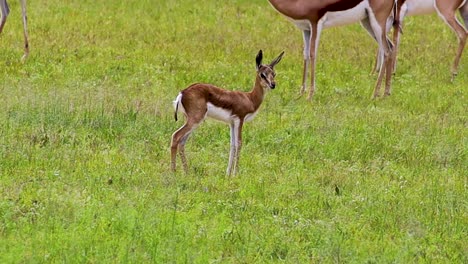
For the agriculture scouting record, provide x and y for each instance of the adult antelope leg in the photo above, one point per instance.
(25, 29)
(464, 14)
(378, 62)
(314, 42)
(396, 41)
(399, 14)
(448, 15)
(365, 23)
(306, 52)
(5, 10)
(379, 58)
(389, 71)
(378, 23)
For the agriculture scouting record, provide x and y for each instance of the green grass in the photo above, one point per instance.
(86, 124)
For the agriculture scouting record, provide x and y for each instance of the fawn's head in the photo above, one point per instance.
(266, 73)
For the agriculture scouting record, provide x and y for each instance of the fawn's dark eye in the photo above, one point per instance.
(263, 75)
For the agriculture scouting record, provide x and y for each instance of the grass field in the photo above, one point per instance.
(86, 125)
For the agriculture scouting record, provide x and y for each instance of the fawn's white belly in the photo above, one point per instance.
(219, 113)
(224, 115)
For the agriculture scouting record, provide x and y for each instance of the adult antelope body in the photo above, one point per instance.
(5, 10)
(446, 9)
(311, 16)
(199, 101)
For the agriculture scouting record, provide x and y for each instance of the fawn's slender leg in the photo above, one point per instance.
(182, 151)
(179, 139)
(232, 149)
(195, 114)
(236, 137)
(176, 139)
(238, 146)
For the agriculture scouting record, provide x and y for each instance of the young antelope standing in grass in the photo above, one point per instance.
(199, 101)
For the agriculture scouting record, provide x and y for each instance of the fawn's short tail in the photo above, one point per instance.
(177, 101)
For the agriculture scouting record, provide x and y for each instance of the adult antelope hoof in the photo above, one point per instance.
(302, 91)
(23, 59)
(454, 75)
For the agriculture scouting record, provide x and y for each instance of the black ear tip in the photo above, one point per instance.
(259, 59)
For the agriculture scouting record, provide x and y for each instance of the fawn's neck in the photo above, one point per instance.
(258, 93)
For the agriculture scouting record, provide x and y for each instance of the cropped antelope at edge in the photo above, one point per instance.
(199, 101)
(311, 16)
(446, 9)
(5, 10)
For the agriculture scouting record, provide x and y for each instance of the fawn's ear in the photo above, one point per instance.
(259, 58)
(277, 60)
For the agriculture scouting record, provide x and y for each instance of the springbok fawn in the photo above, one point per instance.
(199, 101)
(312, 15)
(5, 10)
(446, 9)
